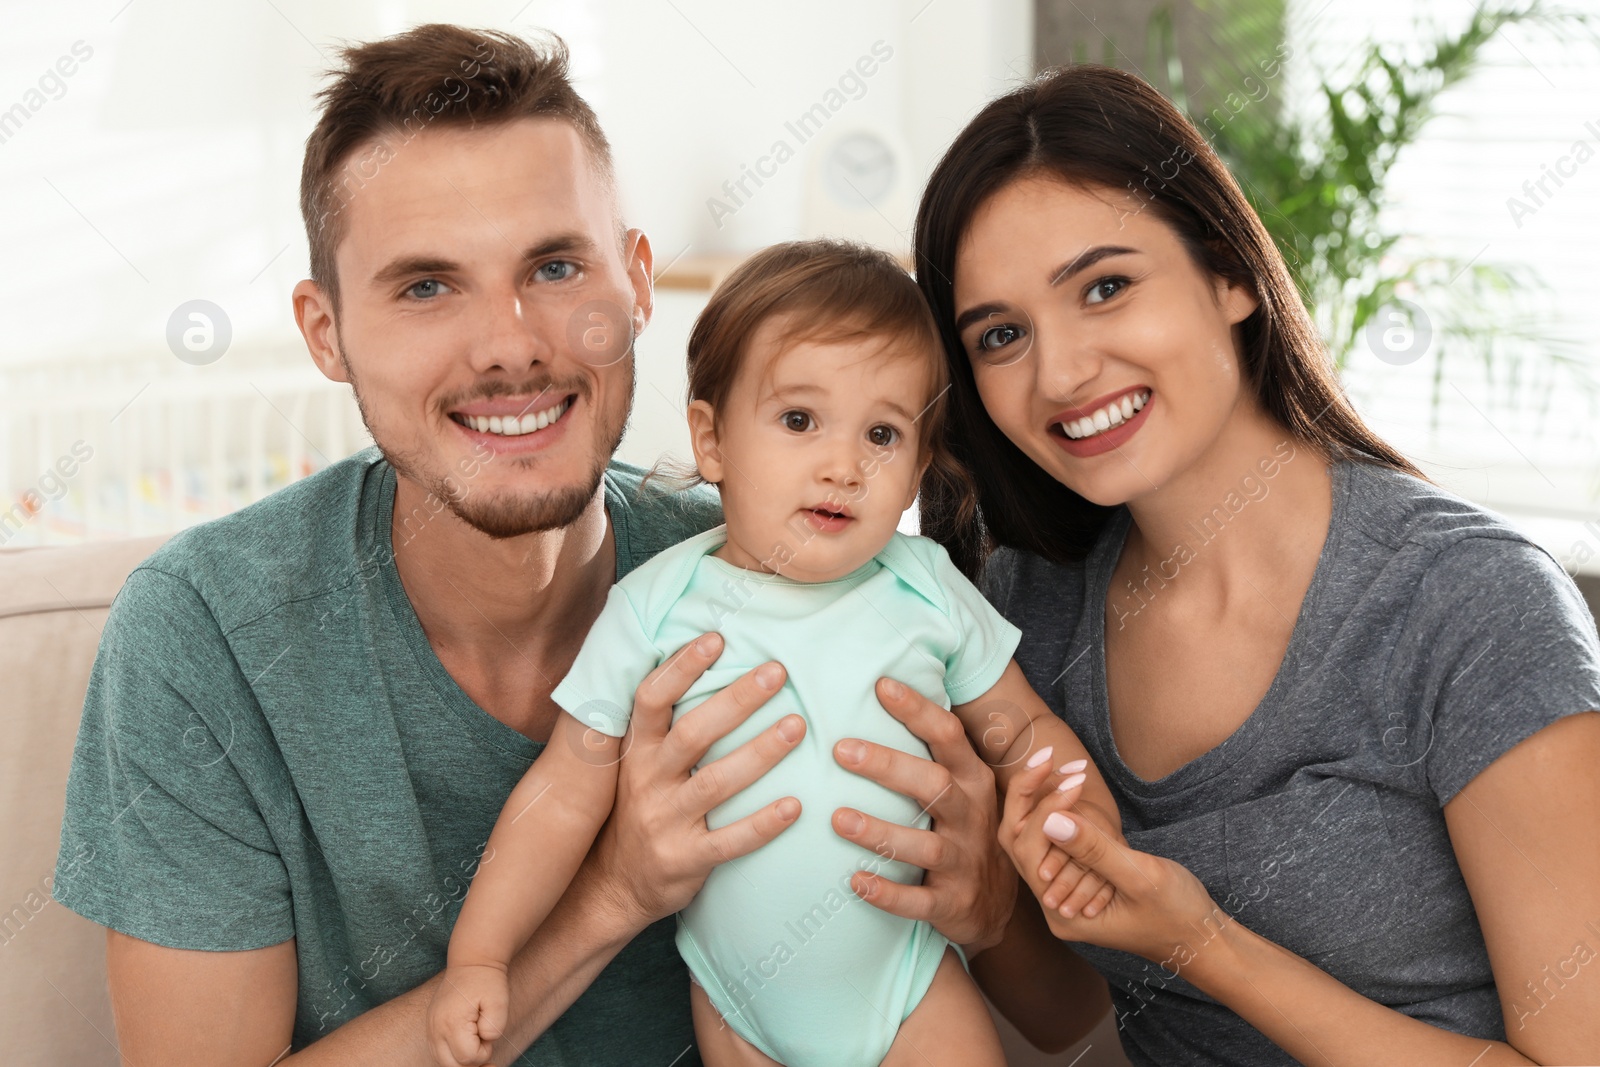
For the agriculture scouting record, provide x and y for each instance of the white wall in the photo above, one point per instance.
(165, 166)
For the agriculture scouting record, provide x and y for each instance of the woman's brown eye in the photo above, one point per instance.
(1105, 289)
(996, 336)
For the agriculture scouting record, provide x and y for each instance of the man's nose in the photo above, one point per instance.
(512, 338)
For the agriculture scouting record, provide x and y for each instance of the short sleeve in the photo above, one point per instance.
(162, 839)
(1499, 645)
(615, 657)
(985, 640)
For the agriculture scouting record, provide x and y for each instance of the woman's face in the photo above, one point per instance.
(1099, 347)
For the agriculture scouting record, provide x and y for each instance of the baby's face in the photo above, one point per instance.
(818, 457)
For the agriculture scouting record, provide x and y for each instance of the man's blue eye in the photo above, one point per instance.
(557, 270)
(425, 289)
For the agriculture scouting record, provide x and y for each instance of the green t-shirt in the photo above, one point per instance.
(270, 749)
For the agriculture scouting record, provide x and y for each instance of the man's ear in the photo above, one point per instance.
(703, 439)
(640, 261)
(313, 313)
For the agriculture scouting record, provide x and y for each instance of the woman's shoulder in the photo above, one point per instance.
(1021, 583)
(1399, 512)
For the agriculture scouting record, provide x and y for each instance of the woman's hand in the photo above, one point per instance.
(969, 887)
(1160, 909)
(654, 852)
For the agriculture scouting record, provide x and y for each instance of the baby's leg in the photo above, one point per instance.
(951, 1024)
(719, 1045)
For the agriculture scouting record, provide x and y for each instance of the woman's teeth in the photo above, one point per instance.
(511, 425)
(1113, 414)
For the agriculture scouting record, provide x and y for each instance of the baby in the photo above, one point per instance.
(817, 393)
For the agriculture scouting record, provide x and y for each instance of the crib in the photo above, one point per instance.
(94, 448)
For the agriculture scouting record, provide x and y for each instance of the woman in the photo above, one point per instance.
(1343, 711)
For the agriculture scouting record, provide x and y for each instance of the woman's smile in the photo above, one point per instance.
(1103, 425)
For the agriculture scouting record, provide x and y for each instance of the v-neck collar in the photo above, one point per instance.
(1098, 570)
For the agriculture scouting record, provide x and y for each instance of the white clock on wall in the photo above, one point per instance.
(858, 186)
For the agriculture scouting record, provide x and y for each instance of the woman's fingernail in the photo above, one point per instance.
(791, 728)
(1058, 827)
(1075, 765)
(1039, 757)
(708, 644)
(769, 676)
(851, 822)
(893, 689)
(852, 751)
(1068, 783)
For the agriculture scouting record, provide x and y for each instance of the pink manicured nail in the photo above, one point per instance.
(1068, 783)
(1058, 827)
(1039, 757)
(1075, 765)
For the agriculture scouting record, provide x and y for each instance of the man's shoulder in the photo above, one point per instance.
(292, 544)
(649, 517)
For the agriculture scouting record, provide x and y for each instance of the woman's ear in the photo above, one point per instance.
(703, 439)
(1237, 299)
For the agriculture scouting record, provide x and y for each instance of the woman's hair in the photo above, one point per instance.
(828, 291)
(1099, 126)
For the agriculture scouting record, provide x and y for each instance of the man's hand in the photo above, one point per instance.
(655, 850)
(970, 887)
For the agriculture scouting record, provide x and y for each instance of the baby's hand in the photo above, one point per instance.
(1066, 881)
(468, 1014)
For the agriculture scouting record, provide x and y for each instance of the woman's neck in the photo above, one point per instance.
(1257, 499)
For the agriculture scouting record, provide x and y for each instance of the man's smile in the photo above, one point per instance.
(511, 417)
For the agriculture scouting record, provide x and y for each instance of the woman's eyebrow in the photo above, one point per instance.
(1086, 259)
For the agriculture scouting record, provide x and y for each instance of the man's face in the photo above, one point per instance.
(486, 319)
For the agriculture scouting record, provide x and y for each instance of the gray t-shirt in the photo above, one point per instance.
(1432, 639)
(271, 749)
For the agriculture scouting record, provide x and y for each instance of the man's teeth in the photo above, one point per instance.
(511, 425)
(1113, 414)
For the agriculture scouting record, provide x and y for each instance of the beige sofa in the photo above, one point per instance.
(53, 1005)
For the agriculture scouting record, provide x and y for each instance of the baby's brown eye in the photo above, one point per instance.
(796, 420)
(882, 436)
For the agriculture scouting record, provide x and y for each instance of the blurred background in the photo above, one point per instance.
(1429, 169)
(1427, 166)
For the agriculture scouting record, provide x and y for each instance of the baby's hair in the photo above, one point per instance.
(830, 291)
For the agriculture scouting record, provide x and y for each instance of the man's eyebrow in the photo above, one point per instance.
(409, 266)
(1088, 258)
(807, 389)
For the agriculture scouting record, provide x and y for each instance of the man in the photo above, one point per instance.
(305, 717)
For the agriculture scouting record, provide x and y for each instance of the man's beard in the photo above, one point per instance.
(513, 515)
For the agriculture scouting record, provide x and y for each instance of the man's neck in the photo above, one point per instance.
(505, 616)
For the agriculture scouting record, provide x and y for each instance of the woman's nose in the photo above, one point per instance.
(1063, 363)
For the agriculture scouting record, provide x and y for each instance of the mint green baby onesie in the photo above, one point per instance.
(796, 963)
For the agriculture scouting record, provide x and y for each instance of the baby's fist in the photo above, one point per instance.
(468, 1015)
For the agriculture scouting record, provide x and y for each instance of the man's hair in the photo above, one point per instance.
(438, 75)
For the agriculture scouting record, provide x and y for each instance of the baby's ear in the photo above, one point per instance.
(916, 482)
(703, 439)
